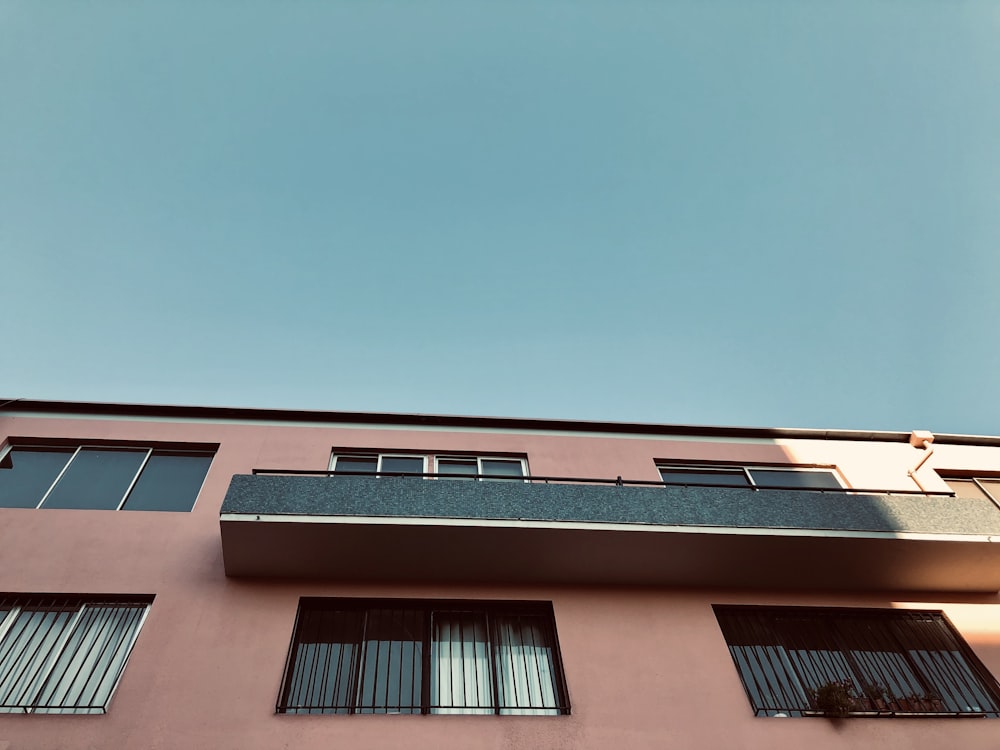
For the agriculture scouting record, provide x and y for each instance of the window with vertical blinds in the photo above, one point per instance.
(363, 656)
(799, 661)
(64, 654)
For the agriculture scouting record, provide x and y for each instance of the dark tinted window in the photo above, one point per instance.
(321, 662)
(96, 479)
(32, 471)
(356, 463)
(169, 481)
(797, 660)
(392, 661)
(497, 466)
(413, 464)
(801, 478)
(458, 466)
(719, 478)
(734, 476)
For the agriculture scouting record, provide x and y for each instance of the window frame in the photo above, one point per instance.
(150, 448)
(479, 459)
(427, 610)
(977, 478)
(431, 462)
(42, 675)
(747, 469)
(781, 653)
(379, 457)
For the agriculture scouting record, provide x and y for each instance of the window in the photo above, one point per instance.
(379, 463)
(983, 486)
(63, 655)
(454, 466)
(495, 468)
(371, 656)
(763, 477)
(810, 660)
(102, 477)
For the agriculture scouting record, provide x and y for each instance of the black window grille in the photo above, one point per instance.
(64, 655)
(365, 656)
(801, 661)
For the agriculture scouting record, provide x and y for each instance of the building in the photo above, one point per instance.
(288, 579)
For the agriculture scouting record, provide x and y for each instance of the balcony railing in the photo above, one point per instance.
(617, 481)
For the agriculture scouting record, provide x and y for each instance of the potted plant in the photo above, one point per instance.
(836, 698)
(926, 703)
(875, 695)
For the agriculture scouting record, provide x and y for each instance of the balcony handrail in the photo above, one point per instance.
(618, 481)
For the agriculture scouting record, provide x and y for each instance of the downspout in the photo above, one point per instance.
(920, 439)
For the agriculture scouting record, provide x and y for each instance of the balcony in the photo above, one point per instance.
(416, 527)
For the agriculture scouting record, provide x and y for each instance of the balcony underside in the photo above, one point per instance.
(396, 529)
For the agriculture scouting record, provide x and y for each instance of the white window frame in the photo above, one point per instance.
(479, 464)
(379, 456)
(431, 460)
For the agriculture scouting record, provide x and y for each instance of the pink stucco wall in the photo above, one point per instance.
(645, 667)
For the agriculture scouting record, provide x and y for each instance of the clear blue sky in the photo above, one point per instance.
(736, 212)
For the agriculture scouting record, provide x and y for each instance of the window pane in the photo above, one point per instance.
(96, 479)
(458, 466)
(524, 664)
(877, 660)
(62, 656)
(992, 486)
(503, 467)
(391, 658)
(366, 464)
(169, 481)
(320, 677)
(968, 488)
(414, 464)
(461, 676)
(719, 478)
(27, 652)
(764, 663)
(32, 472)
(371, 657)
(88, 668)
(792, 478)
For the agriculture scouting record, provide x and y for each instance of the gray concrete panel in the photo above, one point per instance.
(394, 497)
